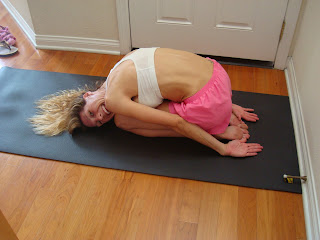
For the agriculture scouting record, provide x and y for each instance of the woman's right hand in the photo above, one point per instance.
(238, 148)
(244, 113)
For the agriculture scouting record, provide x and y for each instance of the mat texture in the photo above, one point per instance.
(110, 147)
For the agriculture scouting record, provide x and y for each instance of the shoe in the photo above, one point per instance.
(6, 49)
(5, 35)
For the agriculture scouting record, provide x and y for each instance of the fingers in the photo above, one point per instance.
(252, 117)
(246, 113)
(251, 154)
(254, 147)
(238, 148)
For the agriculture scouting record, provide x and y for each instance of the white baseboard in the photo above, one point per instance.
(309, 194)
(92, 45)
(66, 43)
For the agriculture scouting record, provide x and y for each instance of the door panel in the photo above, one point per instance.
(239, 15)
(231, 28)
(175, 11)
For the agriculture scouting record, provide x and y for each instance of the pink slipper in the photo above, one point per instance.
(5, 35)
(4, 29)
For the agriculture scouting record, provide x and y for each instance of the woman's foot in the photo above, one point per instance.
(234, 121)
(234, 133)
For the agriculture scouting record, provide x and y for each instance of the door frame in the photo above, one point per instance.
(290, 19)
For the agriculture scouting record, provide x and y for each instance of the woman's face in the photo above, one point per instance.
(94, 112)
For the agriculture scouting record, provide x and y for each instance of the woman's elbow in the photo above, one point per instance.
(179, 125)
(121, 122)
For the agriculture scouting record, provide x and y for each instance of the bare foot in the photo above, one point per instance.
(233, 133)
(234, 121)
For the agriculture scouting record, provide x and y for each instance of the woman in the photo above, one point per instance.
(166, 92)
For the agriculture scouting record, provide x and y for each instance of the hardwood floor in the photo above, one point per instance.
(43, 199)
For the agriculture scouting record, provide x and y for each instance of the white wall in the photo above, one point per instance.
(75, 18)
(306, 63)
(23, 8)
(76, 25)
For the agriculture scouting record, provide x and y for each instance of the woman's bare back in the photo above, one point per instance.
(183, 72)
(179, 74)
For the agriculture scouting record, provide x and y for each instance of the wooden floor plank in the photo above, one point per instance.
(300, 227)
(228, 213)
(63, 193)
(186, 231)
(191, 201)
(6, 231)
(163, 212)
(23, 189)
(36, 215)
(70, 221)
(275, 215)
(209, 212)
(247, 214)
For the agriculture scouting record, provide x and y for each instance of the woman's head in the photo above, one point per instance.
(61, 111)
(94, 112)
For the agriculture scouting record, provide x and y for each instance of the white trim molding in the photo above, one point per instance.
(124, 26)
(21, 22)
(309, 195)
(78, 44)
(290, 19)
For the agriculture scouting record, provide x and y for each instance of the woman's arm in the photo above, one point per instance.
(125, 106)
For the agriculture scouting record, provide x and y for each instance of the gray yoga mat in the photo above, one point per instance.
(111, 147)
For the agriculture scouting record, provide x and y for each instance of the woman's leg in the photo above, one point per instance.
(146, 129)
(154, 130)
(234, 121)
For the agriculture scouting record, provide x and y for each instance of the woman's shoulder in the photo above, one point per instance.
(123, 79)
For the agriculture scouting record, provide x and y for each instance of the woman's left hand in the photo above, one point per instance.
(244, 113)
(237, 148)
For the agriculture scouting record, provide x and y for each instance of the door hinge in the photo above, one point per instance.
(282, 30)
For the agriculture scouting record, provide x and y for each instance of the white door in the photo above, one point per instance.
(247, 29)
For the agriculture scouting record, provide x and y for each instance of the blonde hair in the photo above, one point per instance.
(59, 112)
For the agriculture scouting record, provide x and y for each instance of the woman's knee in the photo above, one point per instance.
(121, 122)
